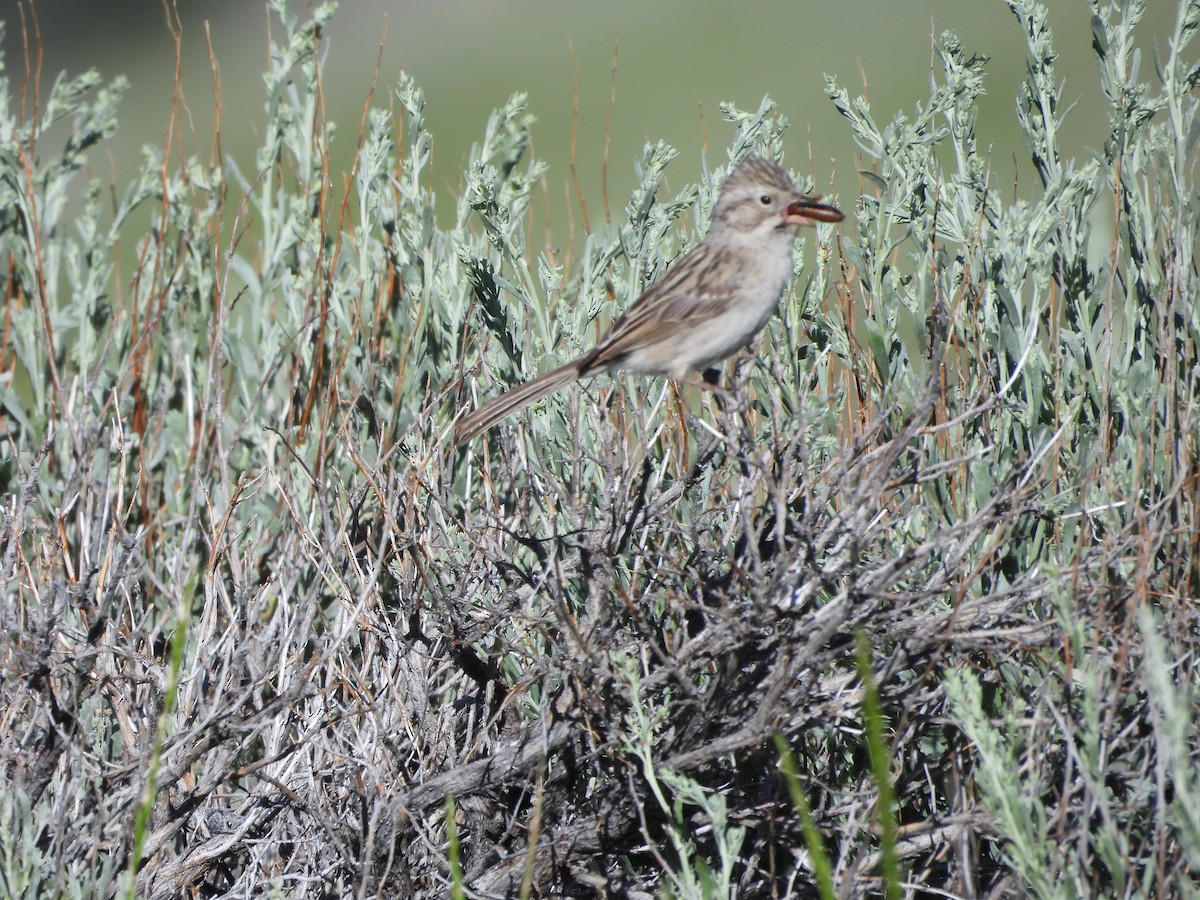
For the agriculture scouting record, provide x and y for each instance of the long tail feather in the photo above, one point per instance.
(514, 400)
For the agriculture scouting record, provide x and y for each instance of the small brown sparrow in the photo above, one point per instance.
(708, 306)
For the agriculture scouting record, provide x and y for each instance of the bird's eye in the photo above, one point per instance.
(765, 200)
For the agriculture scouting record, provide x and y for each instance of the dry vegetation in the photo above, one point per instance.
(266, 634)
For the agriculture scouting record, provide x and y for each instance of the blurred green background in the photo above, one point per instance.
(675, 62)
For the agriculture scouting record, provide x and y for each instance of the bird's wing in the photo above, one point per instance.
(701, 286)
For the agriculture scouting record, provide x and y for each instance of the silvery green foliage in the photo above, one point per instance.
(971, 433)
(1081, 340)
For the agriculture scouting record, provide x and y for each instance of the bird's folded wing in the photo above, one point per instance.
(696, 290)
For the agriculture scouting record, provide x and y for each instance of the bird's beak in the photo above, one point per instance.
(809, 211)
